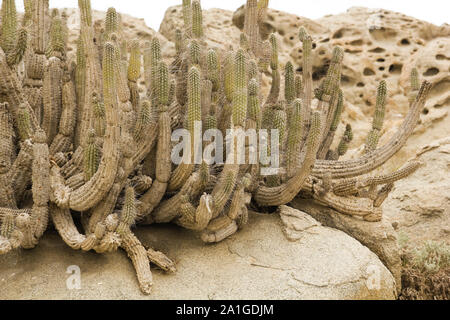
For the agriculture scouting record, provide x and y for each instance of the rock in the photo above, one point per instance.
(257, 263)
(420, 204)
(380, 237)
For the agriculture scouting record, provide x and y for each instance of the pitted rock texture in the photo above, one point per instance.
(258, 263)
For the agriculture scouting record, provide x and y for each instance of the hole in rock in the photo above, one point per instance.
(396, 68)
(368, 72)
(431, 72)
(377, 50)
(405, 42)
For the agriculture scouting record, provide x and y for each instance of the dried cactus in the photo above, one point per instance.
(83, 126)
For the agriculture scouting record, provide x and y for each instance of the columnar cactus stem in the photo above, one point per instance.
(378, 118)
(289, 84)
(8, 36)
(274, 196)
(187, 17)
(91, 157)
(275, 88)
(240, 92)
(295, 135)
(197, 19)
(372, 160)
(251, 26)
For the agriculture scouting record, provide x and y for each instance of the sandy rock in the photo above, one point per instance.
(420, 204)
(380, 237)
(257, 263)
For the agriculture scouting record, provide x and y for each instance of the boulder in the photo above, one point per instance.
(259, 263)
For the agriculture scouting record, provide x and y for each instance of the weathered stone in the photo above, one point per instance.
(257, 263)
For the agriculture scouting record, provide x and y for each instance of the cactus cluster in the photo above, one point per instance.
(78, 136)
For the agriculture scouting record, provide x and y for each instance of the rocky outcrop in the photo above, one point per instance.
(258, 263)
(380, 237)
(419, 207)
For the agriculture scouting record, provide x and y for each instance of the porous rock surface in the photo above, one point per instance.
(257, 263)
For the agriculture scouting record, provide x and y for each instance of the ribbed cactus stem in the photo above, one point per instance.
(338, 112)
(23, 123)
(274, 58)
(19, 52)
(240, 93)
(194, 99)
(415, 85)
(197, 19)
(229, 77)
(163, 85)
(134, 66)
(295, 135)
(253, 72)
(345, 141)
(243, 42)
(109, 76)
(111, 22)
(213, 69)
(415, 82)
(298, 86)
(155, 51)
(194, 52)
(380, 108)
(91, 156)
(254, 108)
(99, 116)
(289, 86)
(280, 122)
(331, 83)
(28, 14)
(129, 213)
(57, 45)
(211, 122)
(85, 12)
(187, 16)
(8, 225)
(8, 26)
(179, 42)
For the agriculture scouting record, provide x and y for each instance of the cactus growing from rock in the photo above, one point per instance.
(78, 136)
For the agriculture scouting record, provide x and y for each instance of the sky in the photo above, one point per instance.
(434, 11)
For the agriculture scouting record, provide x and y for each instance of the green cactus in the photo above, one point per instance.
(85, 12)
(197, 19)
(345, 141)
(213, 69)
(8, 36)
(128, 214)
(240, 93)
(91, 157)
(134, 66)
(289, 86)
(111, 23)
(194, 99)
(254, 108)
(378, 119)
(163, 85)
(298, 87)
(24, 124)
(187, 16)
(179, 42)
(8, 225)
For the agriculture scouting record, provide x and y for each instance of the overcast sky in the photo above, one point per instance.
(435, 11)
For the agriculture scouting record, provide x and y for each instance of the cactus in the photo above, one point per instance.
(77, 136)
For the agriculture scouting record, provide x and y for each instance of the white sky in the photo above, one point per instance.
(435, 11)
